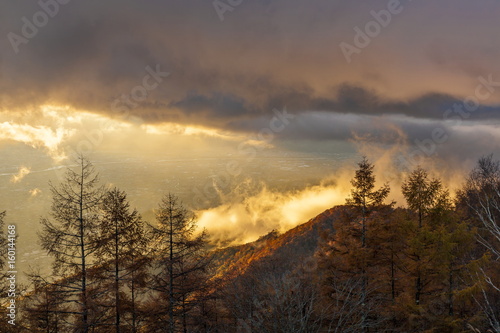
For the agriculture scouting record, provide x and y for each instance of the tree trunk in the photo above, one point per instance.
(418, 286)
(450, 292)
(184, 322)
(171, 273)
(83, 254)
(117, 285)
(132, 295)
(393, 279)
(364, 281)
(418, 290)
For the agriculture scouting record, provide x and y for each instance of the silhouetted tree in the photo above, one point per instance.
(181, 264)
(122, 249)
(365, 197)
(363, 194)
(69, 236)
(422, 194)
(44, 310)
(345, 268)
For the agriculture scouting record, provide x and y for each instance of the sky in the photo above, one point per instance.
(403, 82)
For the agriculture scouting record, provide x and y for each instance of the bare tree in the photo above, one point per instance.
(122, 249)
(69, 236)
(268, 299)
(481, 193)
(181, 264)
(348, 311)
(287, 304)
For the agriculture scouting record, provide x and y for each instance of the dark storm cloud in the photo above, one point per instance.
(429, 138)
(346, 99)
(264, 55)
(217, 105)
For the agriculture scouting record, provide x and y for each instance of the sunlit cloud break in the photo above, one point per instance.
(44, 130)
(60, 131)
(178, 129)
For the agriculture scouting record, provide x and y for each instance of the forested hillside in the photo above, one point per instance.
(297, 244)
(430, 265)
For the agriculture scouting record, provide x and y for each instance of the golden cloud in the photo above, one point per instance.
(254, 215)
(23, 172)
(34, 192)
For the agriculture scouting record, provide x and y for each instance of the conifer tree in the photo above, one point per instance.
(43, 309)
(421, 194)
(366, 198)
(386, 263)
(69, 237)
(181, 264)
(123, 246)
(363, 194)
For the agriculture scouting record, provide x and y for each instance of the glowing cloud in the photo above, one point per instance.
(44, 129)
(23, 172)
(252, 216)
(34, 192)
(172, 128)
(60, 131)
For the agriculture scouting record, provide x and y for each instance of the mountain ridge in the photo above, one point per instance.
(300, 242)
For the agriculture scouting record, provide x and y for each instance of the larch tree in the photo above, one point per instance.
(365, 197)
(447, 242)
(181, 264)
(43, 309)
(122, 250)
(69, 236)
(421, 194)
(454, 262)
(386, 262)
(344, 268)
